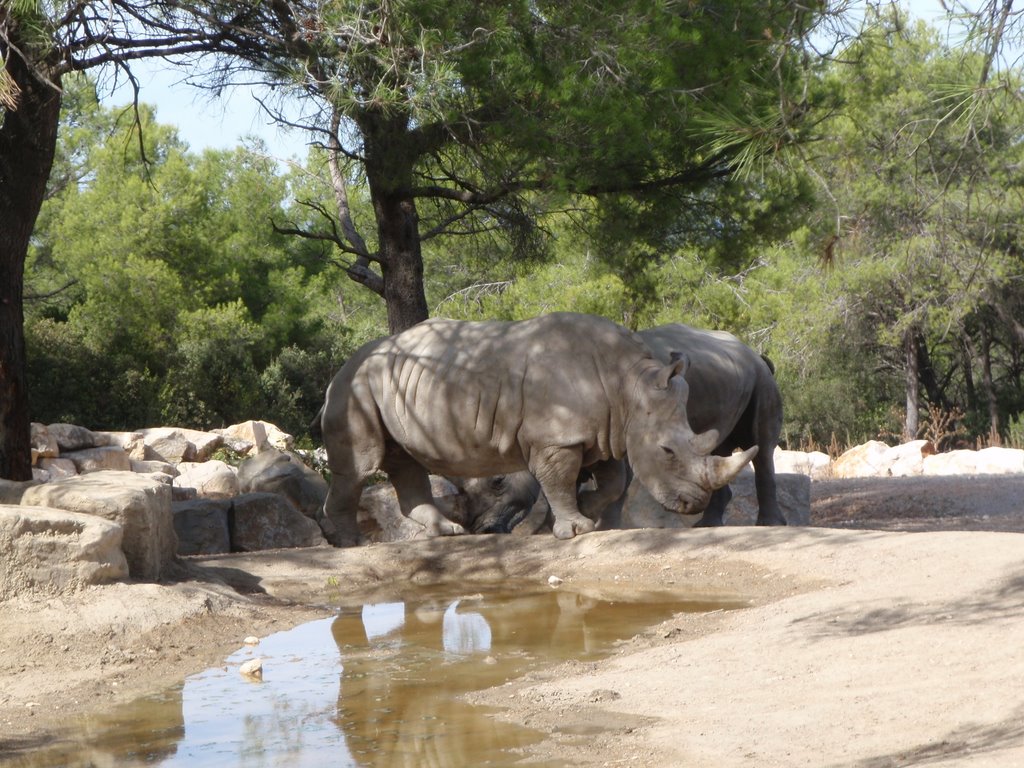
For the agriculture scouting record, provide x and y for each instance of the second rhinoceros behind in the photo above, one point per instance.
(552, 395)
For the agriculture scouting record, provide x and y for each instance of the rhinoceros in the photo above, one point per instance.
(550, 395)
(733, 393)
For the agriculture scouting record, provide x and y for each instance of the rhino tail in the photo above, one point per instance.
(316, 430)
(769, 363)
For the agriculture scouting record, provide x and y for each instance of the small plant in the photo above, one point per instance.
(1015, 432)
(943, 428)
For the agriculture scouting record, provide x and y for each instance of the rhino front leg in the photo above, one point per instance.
(714, 514)
(768, 510)
(557, 469)
(412, 484)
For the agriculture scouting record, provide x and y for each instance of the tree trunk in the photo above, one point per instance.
(913, 418)
(401, 261)
(28, 140)
(988, 386)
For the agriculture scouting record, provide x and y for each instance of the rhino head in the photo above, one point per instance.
(673, 463)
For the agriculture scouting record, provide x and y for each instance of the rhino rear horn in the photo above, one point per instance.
(678, 363)
(722, 469)
(704, 443)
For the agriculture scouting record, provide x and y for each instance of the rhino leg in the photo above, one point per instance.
(768, 511)
(557, 469)
(412, 485)
(714, 513)
(610, 481)
(338, 520)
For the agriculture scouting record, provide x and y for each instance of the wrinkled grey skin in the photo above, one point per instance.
(732, 391)
(550, 395)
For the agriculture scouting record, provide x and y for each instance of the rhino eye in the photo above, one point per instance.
(668, 451)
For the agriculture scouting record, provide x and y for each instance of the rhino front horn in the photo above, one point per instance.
(722, 469)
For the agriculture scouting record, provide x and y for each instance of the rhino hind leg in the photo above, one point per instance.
(338, 519)
(412, 485)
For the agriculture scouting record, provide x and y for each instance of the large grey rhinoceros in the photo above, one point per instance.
(733, 393)
(552, 395)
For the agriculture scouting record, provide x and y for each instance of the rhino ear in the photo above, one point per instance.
(677, 366)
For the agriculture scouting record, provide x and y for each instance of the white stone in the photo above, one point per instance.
(253, 668)
(212, 479)
(867, 460)
(815, 464)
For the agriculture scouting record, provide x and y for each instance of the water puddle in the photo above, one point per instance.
(376, 685)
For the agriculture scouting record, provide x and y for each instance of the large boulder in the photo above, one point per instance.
(139, 504)
(640, 510)
(259, 436)
(868, 460)
(989, 461)
(99, 459)
(274, 471)
(44, 444)
(71, 437)
(53, 552)
(202, 526)
(211, 479)
(11, 491)
(268, 521)
(815, 464)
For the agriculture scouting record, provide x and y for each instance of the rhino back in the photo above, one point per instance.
(723, 375)
(476, 398)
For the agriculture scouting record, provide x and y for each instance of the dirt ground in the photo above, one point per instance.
(887, 634)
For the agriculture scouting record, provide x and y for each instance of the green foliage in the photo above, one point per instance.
(164, 293)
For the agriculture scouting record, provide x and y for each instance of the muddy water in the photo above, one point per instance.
(376, 685)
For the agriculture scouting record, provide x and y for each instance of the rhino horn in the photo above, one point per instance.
(722, 469)
(704, 443)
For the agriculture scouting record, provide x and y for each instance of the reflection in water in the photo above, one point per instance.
(377, 685)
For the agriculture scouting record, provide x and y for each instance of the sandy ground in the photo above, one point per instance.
(892, 638)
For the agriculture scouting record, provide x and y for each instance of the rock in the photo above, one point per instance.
(907, 460)
(44, 444)
(988, 461)
(251, 640)
(132, 443)
(867, 460)
(202, 527)
(70, 437)
(53, 552)
(58, 469)
(144, 467)
(274, 471)
(815, 464)
(554, 581)
(12, 491)
(168, 444)
(109, 457)
(640, 510)
(268, 521)
(253, 668)
(262, 435)
(212, 479)
(139, 504)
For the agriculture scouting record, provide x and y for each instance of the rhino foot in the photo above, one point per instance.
(340, 536)
(434, 523)
(775, 519)
(567, 529)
